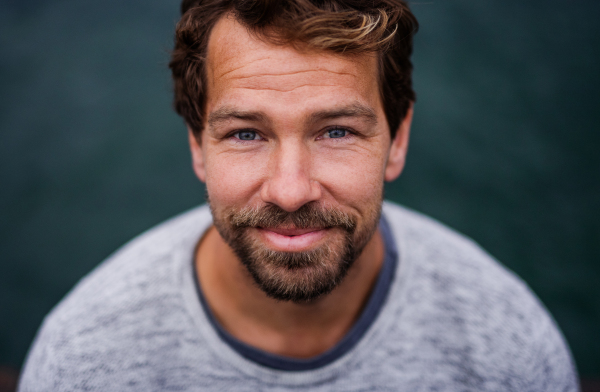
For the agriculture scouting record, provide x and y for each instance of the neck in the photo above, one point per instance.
(283, 328)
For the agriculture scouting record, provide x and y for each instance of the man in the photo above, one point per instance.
(297, 112)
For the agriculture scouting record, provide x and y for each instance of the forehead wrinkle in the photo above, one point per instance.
(309, 68)
(270, 81)
(287, 90)
(289, 73)
(241, 66)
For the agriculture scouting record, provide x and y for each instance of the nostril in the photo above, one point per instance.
(290, 194)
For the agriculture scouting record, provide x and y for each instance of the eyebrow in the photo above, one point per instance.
(228, 113)
(355, 109)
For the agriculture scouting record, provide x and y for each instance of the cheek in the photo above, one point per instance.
(233, 179)
(353, 178)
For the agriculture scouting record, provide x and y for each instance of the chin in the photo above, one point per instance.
(303, 275)
(297, 276)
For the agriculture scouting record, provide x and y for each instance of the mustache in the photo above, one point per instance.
(309, 215)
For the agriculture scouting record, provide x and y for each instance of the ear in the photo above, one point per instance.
(399, 147)
(197, 156)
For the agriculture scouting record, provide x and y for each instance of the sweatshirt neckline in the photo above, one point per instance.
(368, 315)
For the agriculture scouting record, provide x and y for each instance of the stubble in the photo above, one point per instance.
(296, 276)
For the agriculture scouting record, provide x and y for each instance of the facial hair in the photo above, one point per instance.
(304, 276)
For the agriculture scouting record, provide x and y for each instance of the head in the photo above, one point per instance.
(297, 111)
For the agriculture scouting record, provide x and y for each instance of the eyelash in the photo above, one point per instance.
(236, 135)
(238, 139)
(337, 128)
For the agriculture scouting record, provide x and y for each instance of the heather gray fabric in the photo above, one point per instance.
(454, 320)
(368, 315)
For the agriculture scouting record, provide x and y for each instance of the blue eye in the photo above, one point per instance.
(337, 133)
(247, 135)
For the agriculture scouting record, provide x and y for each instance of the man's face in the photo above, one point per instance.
(294, 154)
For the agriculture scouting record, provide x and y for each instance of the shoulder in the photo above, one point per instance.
(473, 309)
(136, 270)
(128, 301)
(447, 259)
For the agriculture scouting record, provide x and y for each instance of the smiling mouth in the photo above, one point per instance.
(292, 232)
(292, 239)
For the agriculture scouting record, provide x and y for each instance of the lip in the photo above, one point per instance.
(292, 240)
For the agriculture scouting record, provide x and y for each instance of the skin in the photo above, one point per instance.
(291, 98)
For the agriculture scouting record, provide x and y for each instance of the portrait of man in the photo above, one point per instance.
(297, 274)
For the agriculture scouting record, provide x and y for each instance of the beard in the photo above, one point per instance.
(302, 276)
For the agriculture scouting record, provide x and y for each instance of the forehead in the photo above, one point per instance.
(244, 69)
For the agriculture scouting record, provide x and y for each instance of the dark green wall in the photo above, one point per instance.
(504, 145)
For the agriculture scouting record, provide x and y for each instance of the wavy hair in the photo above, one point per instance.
(385, 27)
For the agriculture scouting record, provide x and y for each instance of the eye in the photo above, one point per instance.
(336, 133)
(247, 135)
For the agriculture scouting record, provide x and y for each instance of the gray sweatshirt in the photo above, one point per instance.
(444, 316)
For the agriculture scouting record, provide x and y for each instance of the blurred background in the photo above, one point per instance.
(504, 147)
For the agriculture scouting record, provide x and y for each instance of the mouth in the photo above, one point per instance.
(292, 239)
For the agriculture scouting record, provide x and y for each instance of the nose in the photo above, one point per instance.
(289, 184)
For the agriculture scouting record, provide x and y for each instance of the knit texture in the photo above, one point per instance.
(454, 320)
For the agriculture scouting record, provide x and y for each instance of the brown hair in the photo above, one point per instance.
(385, 27)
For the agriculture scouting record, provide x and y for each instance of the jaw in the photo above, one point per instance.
(296, 268)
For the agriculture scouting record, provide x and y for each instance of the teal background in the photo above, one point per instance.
(504, 145)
